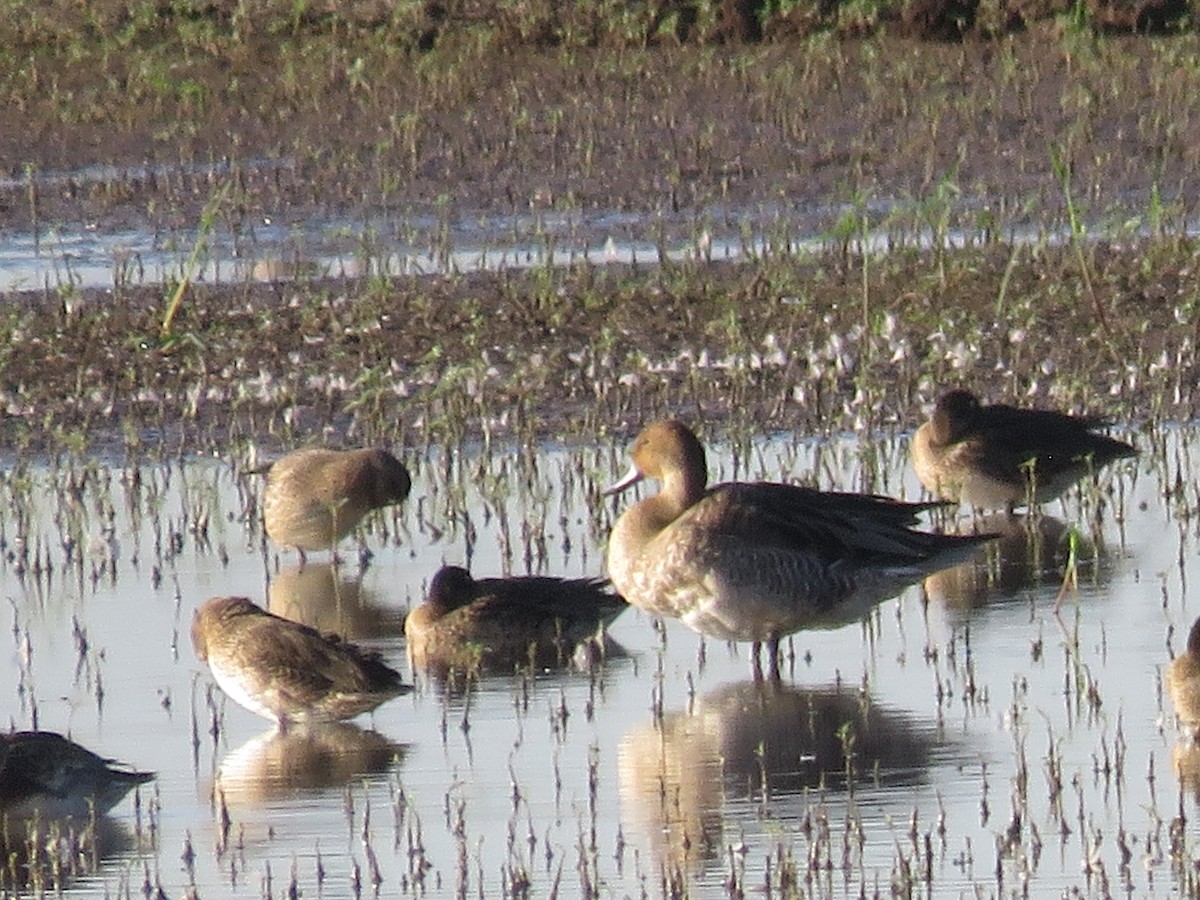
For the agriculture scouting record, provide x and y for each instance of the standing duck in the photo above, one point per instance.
(315, 497)
(758, 561)
(477, 624)
(997, 457)
(285, 671)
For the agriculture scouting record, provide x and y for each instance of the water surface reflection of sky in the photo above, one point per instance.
(965, 737)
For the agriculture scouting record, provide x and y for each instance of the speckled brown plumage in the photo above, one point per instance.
(1183, 683)
(285, 671)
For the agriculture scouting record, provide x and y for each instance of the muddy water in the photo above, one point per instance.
(966, 736)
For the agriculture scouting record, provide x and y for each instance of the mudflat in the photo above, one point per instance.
(1011, 214)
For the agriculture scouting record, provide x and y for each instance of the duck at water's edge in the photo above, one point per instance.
(470, 625)
(758, 561)
(45, 774)
(1183, 684)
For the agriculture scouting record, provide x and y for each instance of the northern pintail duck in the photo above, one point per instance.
(43, 773)
(755, 562)
(285, 671)
(1183, 683)
(996, 457)
(469, 625)
(315, 497)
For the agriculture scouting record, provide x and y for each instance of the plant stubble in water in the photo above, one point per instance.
(963, 736)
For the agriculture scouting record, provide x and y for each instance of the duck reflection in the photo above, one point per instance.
(49, 855)
(282, 765)
(757, 740)
(323, 596)
(1185, 763)
(1029, 552)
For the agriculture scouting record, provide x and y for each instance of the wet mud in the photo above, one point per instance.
(1064, 137)
(757, 346)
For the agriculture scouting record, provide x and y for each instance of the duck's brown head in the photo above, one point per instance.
(450, 588)
(668, 451)
(392, 483)
(214, 614)
(954, 415)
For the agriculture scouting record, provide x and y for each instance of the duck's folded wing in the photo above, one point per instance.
(1009, 438)
(827, 524)
(545, 591)
(1037, 431)
(48, 764)
(307, 661)
(529, 603)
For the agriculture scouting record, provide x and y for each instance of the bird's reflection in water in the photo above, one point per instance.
(758, 741)
(1030, 552)
(280, 765)
(592, 658)
(330, 599)
(46, 856)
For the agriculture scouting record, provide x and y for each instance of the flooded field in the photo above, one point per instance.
(1000, 730)
(233, 235)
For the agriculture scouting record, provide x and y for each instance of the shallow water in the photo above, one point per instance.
(965, 740)
(100, 255)
(297, 246)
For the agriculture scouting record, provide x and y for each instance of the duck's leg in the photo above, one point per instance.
(756, 661)
(773, 649)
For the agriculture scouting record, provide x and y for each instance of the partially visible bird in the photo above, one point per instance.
(285, 671)
(469, 625)
(758, 561)
(1183, 683)
(43, 773)
(998, 457)
(315, 497)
